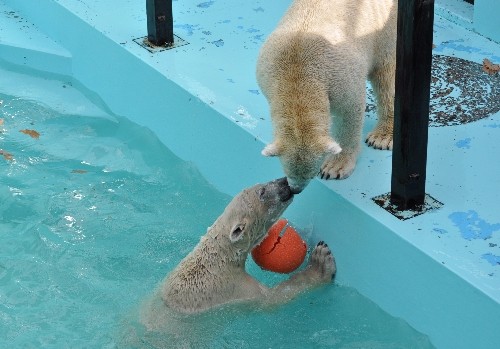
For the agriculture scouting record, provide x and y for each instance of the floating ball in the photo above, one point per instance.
(282, 251)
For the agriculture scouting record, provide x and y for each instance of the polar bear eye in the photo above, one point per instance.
(262, 191)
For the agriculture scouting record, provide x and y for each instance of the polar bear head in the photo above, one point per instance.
(251, 213)
(302, 162)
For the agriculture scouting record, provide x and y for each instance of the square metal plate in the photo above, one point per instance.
(144, 42)
(384, 201)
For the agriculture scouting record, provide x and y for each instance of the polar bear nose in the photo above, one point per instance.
(284, 191)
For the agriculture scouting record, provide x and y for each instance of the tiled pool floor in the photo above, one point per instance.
(217, 67)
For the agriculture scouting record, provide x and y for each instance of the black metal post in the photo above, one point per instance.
(411, 108)
(160, 22)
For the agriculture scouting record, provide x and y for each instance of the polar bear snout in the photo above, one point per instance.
(277, 190)
(284, 191)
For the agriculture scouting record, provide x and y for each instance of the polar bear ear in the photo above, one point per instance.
(237, 232)
(270, 150)
(333, 147)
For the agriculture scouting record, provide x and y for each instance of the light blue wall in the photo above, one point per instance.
(487, 18)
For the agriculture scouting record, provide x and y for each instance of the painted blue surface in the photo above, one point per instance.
(457, 11)
(205, 4)
(188, 29)
(464, 143)
(472, 226)
(22, 43)
(492, 259)
(457, 45)
(218, 43)
(440, 231)
(486, 18)
(202, 90)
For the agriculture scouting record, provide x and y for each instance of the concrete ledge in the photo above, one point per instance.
(24, 44)
(486, 18)
(457, 11)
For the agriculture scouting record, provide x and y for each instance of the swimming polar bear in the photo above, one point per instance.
(316, 63)
(186, 310)
(214, 272)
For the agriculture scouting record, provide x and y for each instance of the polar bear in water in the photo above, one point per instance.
(213, 273)
(316, 63)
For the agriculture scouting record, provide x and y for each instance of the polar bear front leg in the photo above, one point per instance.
(383, 81)
(346, 129)
(320, 270)
(321, 267)
(338, 166)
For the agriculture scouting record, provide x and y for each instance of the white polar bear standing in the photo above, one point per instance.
(316, 63)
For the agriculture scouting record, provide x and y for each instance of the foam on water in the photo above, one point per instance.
(95, 212)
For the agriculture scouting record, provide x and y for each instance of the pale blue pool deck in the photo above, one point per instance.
(439, 271)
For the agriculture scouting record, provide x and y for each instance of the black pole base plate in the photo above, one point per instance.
(146, 44)
(384, 201)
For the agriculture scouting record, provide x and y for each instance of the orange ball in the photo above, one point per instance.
(280, 253)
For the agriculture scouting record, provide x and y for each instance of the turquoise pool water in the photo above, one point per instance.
(94, 212)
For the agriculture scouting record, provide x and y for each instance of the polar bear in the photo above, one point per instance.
(214, 272)
(316, 63)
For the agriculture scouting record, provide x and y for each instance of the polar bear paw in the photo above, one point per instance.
(338, 166)
(379, 140)
(321, 263)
